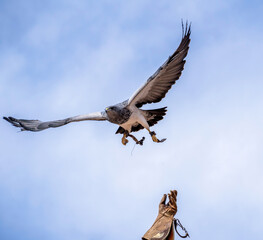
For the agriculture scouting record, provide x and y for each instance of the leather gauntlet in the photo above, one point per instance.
(162, 228)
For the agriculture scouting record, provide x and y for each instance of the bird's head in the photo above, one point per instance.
(111, 109)
(113, 112)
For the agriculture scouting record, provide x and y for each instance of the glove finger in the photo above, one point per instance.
(170, 196)
(174, 193)
(163, 200)
(172, 202)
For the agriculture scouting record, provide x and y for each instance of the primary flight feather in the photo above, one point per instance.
(128, 114)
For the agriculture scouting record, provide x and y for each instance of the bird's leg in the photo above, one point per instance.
(154, 138)
(124, 139)
(136, 140)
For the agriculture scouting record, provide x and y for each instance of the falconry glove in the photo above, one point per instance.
(162, 228)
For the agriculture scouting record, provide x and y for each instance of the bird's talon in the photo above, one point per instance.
(154, 138)
(152, 133)
(124, 141)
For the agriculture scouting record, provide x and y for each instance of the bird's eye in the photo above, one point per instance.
(108, 108)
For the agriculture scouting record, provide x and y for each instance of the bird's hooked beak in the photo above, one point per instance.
(106, 109)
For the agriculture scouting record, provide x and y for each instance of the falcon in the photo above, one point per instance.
(128, 114)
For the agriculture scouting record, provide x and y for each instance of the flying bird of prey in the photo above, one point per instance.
(128, 114)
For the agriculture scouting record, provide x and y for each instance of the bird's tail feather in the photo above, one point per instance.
(155, 115)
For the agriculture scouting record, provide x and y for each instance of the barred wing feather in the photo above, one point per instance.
(156, 87)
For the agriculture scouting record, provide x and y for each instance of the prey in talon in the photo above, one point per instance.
(128, 114)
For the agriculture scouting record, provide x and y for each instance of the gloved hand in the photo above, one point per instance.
(169, 209)
(162, 228)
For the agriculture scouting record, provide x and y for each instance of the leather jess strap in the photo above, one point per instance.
(178, 223)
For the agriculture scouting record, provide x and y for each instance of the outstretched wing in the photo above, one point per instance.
(156, 87)
(36, 125)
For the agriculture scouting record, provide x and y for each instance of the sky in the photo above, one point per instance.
(64, 58)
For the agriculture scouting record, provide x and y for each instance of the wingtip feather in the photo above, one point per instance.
(7, 119)
(186, 31)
